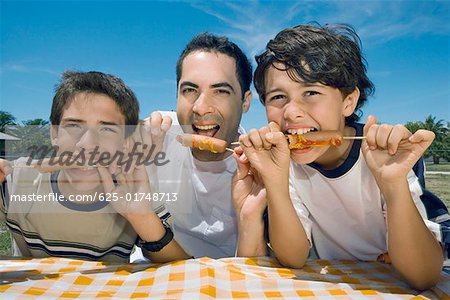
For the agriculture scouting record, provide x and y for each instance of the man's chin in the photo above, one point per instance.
(204, 155)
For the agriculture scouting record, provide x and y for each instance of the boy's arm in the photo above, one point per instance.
(390, 153)
(150, 228)
(413, 249)
(140, 213)
(269, 155)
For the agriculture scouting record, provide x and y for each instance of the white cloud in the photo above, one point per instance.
(24, 68)
(252, 24)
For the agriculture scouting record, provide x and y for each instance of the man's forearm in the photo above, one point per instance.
(251, 242)
(287, 235)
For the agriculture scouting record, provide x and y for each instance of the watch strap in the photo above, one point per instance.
(157, 245)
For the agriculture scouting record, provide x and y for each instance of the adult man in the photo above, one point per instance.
(213, 79)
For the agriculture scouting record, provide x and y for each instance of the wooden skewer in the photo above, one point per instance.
(229, 149)
(344, 138)
(353, 137)
(52, 168)
(62, 167)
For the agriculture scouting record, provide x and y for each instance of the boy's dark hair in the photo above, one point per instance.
(73, 83)
(330, 55)
(211, 43)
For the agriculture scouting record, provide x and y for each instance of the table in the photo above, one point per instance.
(206, 278)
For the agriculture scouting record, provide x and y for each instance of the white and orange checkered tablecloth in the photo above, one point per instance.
(205, 278)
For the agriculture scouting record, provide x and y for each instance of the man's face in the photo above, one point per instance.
(210, 99)
(91, 121)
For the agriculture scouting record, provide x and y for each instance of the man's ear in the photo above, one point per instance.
(54, 135)
(350, 102)
(247, 101)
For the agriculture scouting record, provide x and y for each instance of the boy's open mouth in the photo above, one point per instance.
(296, 141)
(208, 130)
(300, 130)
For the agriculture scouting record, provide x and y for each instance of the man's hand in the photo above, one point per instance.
(391, 151)
(247, 189)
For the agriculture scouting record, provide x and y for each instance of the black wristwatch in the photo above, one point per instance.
(157, 245)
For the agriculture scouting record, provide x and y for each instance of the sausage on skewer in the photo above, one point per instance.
(202, 142)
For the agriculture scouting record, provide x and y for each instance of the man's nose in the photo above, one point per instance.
(203, 104)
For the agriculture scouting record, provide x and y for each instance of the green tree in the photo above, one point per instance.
(33, 134)
(413, 126)
(36, 122)
(441, 144)
(446, 142)
(6, 119)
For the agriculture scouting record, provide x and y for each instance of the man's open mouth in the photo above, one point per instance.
(208, 130)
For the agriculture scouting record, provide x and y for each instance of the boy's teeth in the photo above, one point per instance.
(299, 131)
(205, 127)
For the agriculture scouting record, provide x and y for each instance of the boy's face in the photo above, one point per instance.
(302, 107)
(210, 99)
(90, 121)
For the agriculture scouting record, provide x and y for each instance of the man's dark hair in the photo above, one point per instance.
(73, 83)
(220, 44)
(330, 55)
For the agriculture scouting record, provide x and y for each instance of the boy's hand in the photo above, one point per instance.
(5, 169)
(131, 191)
(247, 189)
(392, 151)
(267, 151)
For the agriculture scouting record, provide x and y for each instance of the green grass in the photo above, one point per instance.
(439, 184)
(438, 168)
(5, 240)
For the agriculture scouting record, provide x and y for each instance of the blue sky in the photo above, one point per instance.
(406, 44)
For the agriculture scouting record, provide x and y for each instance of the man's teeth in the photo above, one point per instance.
(205, 127)
(300, 130)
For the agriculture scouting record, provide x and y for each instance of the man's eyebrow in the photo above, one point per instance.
(222, 84)
(188, 83)
(109, 123)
